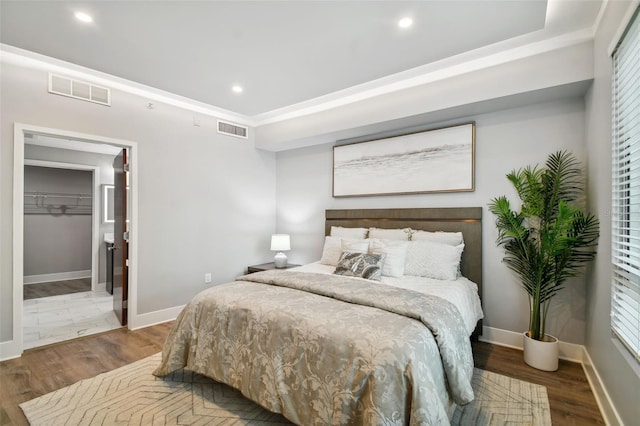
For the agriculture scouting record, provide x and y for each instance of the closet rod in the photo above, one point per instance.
(57, 195)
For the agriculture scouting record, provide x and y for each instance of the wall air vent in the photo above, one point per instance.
(233, 129)
(79, 90)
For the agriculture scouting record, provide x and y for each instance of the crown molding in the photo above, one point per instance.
(478, 59)
(26, 58)
(487, 57)
(598, 20)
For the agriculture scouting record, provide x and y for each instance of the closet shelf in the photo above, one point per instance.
(57, 203)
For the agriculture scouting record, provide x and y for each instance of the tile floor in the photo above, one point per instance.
(54, 319)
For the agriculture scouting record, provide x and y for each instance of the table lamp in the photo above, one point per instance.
(280, 243)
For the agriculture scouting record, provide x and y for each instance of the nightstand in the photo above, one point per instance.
(267, 267)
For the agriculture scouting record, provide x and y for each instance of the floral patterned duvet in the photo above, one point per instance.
(327, 350)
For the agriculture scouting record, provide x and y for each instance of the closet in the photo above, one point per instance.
(57, 225)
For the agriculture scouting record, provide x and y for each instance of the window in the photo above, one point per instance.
(625, 238)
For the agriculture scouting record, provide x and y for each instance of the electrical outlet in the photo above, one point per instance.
(207, 277)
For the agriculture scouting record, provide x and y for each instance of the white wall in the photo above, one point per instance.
(619, 373)
(504, 140)
(206, 201)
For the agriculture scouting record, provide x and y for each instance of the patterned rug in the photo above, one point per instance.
(131, 395)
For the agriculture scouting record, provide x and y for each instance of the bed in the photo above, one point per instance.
(321, 348)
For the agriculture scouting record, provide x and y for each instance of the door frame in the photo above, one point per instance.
(19, 131)
(95, 211)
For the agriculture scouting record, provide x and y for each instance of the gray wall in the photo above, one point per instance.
(504, 140)
(619, 372)
(105, 174)
(56, 242)
(206, 201)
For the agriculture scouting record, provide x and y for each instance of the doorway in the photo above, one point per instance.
(29, 139)
(64, 285)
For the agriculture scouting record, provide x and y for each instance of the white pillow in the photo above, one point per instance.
(390, 234)
(357, 233)
(334, 246)
(433, 260)
(396, 254)
(449, 238)
(355, 246)
(331, 251)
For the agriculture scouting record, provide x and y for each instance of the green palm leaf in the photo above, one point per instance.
(551, 238)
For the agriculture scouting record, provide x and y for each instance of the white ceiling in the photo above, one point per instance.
(282, 52)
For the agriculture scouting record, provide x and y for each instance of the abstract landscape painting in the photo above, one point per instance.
(439, 160)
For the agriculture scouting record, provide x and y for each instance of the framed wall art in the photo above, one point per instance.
(437, 160)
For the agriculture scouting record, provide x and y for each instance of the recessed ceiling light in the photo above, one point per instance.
(405, 22)
(237, 89)
(81, 16)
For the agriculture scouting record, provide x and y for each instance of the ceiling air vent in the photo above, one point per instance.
(233, 129)
(79, 90)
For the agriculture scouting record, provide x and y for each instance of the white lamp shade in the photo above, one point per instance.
(280, 242)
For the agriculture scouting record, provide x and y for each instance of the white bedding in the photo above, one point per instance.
(462, 292)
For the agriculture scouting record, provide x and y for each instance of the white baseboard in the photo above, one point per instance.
(9, 350)
(498, 336)
(58, 276)
(101, 287)
(608, 410)
(511, 339)
(155, 317)
(569, 352)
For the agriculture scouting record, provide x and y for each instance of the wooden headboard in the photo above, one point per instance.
(467, 220)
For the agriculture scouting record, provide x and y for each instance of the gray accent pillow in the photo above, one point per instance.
(363, 265)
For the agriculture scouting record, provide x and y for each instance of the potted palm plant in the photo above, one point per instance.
(545, 243)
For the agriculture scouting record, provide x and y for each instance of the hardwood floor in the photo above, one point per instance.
(570, 396)
(45, 369)
(56, 288)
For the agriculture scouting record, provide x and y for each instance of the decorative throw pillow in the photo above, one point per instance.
(390, 234)
(449, 238)
(395, 252)
(356, 233)
(433, 260)
(361, 265)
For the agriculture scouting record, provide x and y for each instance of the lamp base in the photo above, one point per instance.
(280, 260)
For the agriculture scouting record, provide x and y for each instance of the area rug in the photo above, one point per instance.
(131, 395)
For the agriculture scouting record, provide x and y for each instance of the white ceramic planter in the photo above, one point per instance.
(541, 354)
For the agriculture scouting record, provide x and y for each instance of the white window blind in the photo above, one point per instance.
(625, 241)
